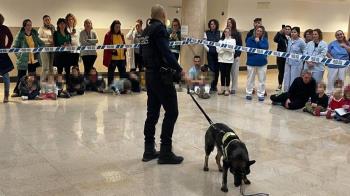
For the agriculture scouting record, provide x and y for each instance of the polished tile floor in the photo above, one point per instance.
(92, 145)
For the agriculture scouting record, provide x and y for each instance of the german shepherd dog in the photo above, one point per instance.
(230, 147)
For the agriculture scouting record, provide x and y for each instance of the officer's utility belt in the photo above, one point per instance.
(167, 75)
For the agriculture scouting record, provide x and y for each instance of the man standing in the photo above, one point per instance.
(162, 69)
(257, 23)
(281, 38)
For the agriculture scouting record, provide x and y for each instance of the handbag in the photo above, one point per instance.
(6, 64)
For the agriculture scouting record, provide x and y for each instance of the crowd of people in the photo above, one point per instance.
(300, 83)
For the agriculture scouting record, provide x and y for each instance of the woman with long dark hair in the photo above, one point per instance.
(235, 34)
(114, 58)
(62, 60)
(213, 34)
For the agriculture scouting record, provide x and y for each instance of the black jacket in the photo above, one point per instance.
(282, 42)
(301, 91)
(155, 48)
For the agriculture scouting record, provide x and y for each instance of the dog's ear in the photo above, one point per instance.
(251, 162)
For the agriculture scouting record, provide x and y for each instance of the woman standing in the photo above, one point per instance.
(317, 47)
(293, 67)
(5, 62)
(213, 34)
(71, 22)
(235, 34)
(27, 37)
(88, 38)
(175, 35)
(256, 63)
(62, 61)
(226, 59)
(338, 49)
(308, 35)
(46, 35)
(114, 58)
(134, 36)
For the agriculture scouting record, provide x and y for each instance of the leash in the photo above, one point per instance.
(200, 108)
(241, 190)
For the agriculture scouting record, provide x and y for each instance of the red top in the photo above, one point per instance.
(107, 54)
(336, 104)
(5, 32)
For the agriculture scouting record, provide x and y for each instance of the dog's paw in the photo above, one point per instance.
(224, 189)
(205, 169)
(246, 181)
(237, 184)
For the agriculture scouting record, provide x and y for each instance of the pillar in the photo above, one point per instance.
(193, 15)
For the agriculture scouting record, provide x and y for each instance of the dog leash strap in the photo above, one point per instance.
(201, 109)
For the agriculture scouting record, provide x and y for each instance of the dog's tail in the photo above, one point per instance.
(201, 109)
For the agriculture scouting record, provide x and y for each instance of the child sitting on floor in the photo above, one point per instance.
(49, 90)
(345, 116)
(337, 101)
(76, 84)
(319, 102)
(94, 82)
(29, 88)
(122, 86)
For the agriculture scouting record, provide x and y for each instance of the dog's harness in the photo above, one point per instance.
(227, 139)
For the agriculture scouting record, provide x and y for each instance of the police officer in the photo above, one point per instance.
(162, 69)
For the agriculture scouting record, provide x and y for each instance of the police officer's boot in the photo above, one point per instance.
(150, 153)
(168, 157)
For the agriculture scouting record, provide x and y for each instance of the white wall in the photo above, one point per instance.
(328, 15)
(102, 12)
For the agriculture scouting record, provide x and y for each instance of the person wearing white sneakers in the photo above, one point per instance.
(256, 63)
(226, 59)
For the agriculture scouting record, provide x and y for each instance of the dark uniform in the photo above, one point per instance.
(160, 91)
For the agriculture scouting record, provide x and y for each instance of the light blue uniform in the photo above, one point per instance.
(293, 67)
(319, 51)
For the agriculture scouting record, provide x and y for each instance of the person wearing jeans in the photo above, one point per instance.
(317, 48)
(114, 58)
(226, 58)
(256, 64)
(213, 34)
(5, 62)
(46, 35)
(88, 38)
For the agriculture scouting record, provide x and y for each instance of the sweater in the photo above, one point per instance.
(257, 59)
(226, 55)
(301, 91)
(88, 39)
(46, 35)
(20, 42)
(5, 32)
(107, 54)
(320, 101)
(336, 103)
